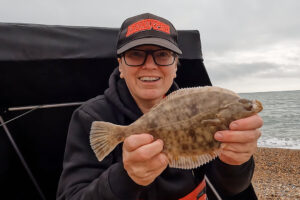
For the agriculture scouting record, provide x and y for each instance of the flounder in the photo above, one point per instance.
(186, 120)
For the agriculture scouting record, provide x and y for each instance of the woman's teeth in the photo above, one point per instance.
(149, 78)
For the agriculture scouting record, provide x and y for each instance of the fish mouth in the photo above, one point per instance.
(257, 106)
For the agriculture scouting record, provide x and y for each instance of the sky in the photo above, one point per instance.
(247, 45)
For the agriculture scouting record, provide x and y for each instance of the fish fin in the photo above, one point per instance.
(191, 162)
(104, 137)
(203, 89)
(176, 94)
(184, 91)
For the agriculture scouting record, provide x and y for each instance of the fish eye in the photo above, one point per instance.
(248, 107)
(247, 104)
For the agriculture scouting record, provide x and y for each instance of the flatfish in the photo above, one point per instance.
(186, 120)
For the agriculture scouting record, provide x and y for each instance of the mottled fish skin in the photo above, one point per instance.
(186, 121)
(186, 103)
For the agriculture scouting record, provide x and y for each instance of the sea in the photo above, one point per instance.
(281, 115)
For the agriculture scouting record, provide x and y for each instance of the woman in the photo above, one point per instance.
(137, 169)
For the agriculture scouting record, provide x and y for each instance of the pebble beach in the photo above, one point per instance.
(277, 174)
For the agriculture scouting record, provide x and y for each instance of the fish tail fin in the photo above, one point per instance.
(104, 137)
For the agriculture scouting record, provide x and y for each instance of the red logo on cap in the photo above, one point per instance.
(147, 24)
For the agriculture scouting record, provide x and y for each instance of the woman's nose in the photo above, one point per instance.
(150, 62)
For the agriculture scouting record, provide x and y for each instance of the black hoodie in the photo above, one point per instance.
(84, 177)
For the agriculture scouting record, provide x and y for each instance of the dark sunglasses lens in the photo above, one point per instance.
(164, 57)
(137, 57)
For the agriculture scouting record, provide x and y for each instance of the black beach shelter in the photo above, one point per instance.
(45, 73)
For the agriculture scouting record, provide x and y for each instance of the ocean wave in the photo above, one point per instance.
(280, 143)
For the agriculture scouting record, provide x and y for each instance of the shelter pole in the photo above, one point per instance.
(22, 159)
(44, 106)
(212, 188)
(32, 108)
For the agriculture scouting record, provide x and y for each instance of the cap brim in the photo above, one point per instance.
(154, 41)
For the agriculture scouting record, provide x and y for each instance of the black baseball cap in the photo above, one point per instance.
(147, 29)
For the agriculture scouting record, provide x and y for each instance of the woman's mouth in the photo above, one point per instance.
(149, 78)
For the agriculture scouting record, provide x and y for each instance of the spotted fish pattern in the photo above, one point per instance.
(186, 121)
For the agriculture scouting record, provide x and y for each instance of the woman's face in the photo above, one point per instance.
(148, 82)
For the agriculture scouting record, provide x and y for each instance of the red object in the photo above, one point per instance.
(198, 193)
(147, 24)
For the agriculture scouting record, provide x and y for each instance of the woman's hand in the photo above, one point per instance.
(240, 142)
(143, 158)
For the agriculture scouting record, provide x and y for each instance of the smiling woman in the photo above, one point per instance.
(148, 83)
(138, 168)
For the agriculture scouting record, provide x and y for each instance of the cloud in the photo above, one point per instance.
(244, 42)
(280, 59)
(226, 72)
(271, 67)
(242, 25)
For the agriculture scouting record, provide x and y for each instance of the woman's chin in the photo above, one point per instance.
(152, 95)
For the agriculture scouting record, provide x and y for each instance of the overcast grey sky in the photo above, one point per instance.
(248, 46)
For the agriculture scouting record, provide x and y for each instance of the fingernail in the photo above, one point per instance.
(218, 136)
(234, 125)
(150, 137)
(162, 142)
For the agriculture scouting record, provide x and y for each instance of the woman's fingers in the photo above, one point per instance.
(239, 147)
(233, 158)
(152, 167)
(133, 142)
(143, 158)
(238, 136)
(249, 123)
